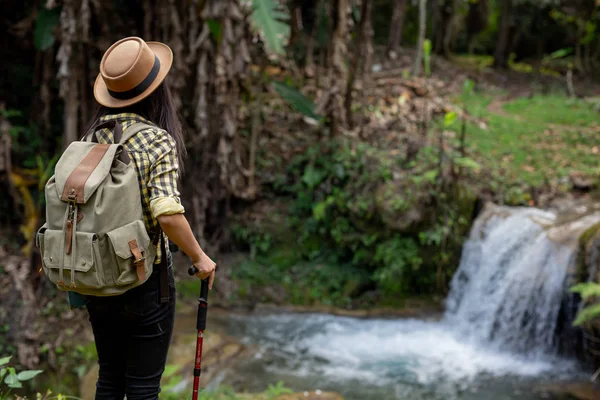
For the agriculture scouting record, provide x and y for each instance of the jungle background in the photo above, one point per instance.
(338, 150)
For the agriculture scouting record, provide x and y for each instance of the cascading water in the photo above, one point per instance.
(510, 283)
(508, 288)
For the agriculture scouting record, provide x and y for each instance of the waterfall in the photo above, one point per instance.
(510, 284)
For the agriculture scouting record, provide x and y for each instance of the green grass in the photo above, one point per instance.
(529, 142)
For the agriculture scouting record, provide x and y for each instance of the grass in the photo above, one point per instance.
(481, 62)
(531, 142)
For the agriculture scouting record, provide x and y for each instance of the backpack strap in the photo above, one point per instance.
(119, 135)
(114, 126)
(133, 130)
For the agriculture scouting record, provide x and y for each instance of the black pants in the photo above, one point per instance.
(132, 332)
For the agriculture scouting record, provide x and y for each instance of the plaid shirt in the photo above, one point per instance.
(154, 154)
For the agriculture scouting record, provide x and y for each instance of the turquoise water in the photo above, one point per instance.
(385, 359)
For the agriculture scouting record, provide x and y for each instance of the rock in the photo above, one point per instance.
(573, 391)
(401, 206)
(316, 395)
(311, 396)
(583, 182)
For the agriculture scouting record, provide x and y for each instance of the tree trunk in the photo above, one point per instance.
(338, 71)
(440, 20)
(296, 26)
(396, 26)
(361, 65)
(453, 28)
(421, 37)
(309, 67)
(476, 22)
(502, 45)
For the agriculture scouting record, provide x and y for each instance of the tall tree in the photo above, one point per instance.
(441, 17)
(338, 75)
(503, 42)
(363, 54)
(421, 37)
(477, 21)
(396, 26)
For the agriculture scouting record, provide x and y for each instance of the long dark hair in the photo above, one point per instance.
(159, 108)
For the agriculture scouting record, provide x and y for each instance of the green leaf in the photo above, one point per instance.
(587, 314)
(467, 162)
(468, 86)
(2, 373)
(45, 22)
(5, 360)
(27, 375)
(10, 113)
(587, 290)
(312, 176)
(431, 176)
(269, 18)
(560, 53)
(296, 100)
(11, 380)
(216, 28)
(449, 119)
(427, 47)
(320, 210)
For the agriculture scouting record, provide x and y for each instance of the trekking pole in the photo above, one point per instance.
(200, 326)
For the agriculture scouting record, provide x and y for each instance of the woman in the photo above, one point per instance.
(132, 331)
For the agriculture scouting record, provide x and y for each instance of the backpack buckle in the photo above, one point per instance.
(72, 196)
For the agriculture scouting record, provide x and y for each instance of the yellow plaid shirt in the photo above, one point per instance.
(154, 154)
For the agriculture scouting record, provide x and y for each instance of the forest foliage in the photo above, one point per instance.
(225, 110)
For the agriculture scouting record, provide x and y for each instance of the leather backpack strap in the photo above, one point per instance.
(164, 271)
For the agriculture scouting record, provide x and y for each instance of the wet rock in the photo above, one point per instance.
(573, 391)
(583, 182)
(311, 396)
(316, 395)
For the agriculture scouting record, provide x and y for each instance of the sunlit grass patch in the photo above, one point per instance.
(532, 142)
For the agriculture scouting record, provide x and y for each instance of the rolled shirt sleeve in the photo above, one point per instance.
(164, 174)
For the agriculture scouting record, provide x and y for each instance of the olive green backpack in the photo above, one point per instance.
(94, 240)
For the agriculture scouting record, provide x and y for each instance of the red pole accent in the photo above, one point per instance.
(198, 364)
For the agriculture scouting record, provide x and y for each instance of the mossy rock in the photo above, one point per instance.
(401, 206)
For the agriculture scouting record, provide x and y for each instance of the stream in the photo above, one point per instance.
(383, 359)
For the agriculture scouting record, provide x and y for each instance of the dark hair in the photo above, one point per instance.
(159, 108)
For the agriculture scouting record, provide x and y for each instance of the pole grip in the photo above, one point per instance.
(202, 306)
(202, 301)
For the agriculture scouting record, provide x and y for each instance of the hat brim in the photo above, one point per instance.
(164, 54)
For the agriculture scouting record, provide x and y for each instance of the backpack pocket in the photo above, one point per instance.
(83, 259)
(120, 241)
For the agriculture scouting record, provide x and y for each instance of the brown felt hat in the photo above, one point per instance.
(130, 70)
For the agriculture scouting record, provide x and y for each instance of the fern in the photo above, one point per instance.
(588, 291)
(588, 314)
(296, 100)
(270, 19)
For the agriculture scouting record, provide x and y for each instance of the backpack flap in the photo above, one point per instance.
(82, 168)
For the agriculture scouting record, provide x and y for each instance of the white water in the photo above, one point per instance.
(508, 289)
(498, 330)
